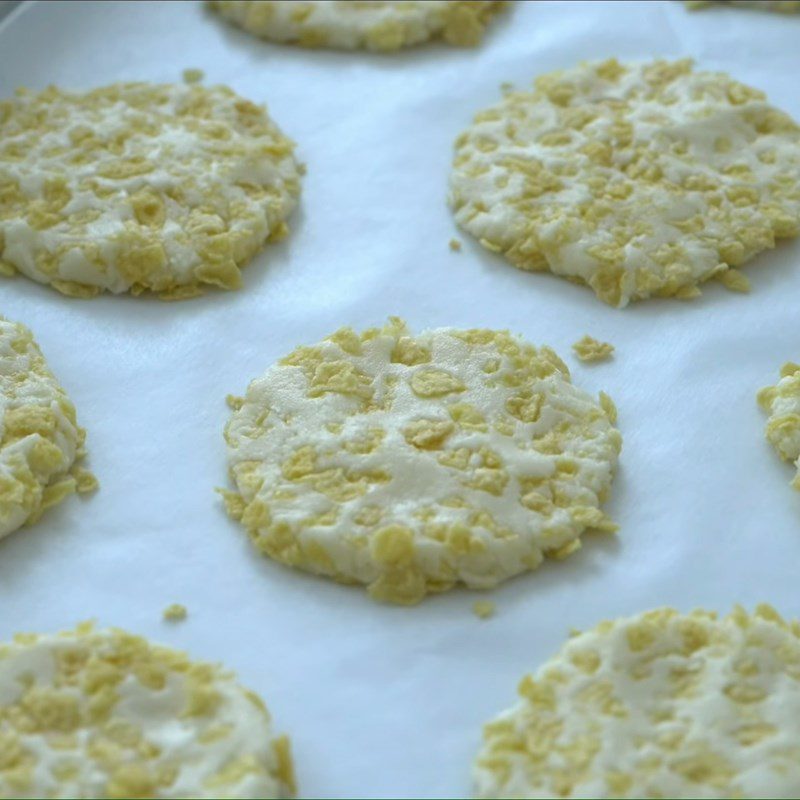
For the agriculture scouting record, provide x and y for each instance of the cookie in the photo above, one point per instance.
(662, 704)
(636, 179)
(41, 444)
(782, 403)
(378, 26)
(104, 714)
(138, 186)
(413, 463)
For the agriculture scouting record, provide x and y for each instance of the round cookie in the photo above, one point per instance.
(662, 704)
(376, 25)
(139, 186)
(782, 402)
(637, 179)
(413, 463)
(104, 714)
(40, 441)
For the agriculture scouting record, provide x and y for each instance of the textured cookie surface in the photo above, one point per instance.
(636, 179)
(782, 402)
(40, 441)
(381, 26)
(101, 713)
(138, 186)
(412, 463)
(658, 705)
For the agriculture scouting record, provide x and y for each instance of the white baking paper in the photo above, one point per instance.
(383, 701)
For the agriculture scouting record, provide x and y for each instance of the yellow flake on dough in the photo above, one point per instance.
(589, 349)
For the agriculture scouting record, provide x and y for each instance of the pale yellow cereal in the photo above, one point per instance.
(105, 714)
(175, 613)
(378, 25)
(640, 180)
(483, 609)
(138, 186)
(589, 349)
(662, 704)
(41, 444)
(782, 403)
(411, 463)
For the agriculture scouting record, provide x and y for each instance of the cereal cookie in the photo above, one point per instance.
(413, 463)
(663, 704)
(782, 402)
(372, 25)
(636, 179)
(139, 186)
(40, 441)
(101, 713)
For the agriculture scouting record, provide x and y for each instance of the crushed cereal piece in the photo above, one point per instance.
(41, 444)
(589, 349)
(379, 26)
(413, 463)
(175, 613)
(483, 609)
(140, 187)
(782, 402)
(639, 179)
(662, 704)
(105, 714)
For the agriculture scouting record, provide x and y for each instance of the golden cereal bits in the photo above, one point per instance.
(782, 403)
(413, 463)
(637, 179)
(105, 714)
(41, 444)
(662, 704)
(347, 25)
(780, 6)
(590, 349)
(138, 186)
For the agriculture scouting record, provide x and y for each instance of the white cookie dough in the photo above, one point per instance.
(104, 714)
(41, 444)
(372, 25)
(413, 463)
(662, 704)
(637, 179)
(139, 186)
(782, 403)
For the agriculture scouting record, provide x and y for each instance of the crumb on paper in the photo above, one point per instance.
(193, 75)
(590, 349)
(483, 609)
(734, 280)
(455, 245)
(175, 613)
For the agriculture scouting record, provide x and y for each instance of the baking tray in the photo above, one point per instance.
(383, 701)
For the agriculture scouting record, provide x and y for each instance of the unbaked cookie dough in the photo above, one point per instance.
(41, 444)
(662, 704)
(637, 179)
(380, 26)
(782, 403)
(104, 714)
(413, 463)
(139, 186)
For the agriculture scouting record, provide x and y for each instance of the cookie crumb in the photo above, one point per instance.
(483, 609)
(590, 349)
(455, 245)
(175, 613)
(734, 280)
(193, 75)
